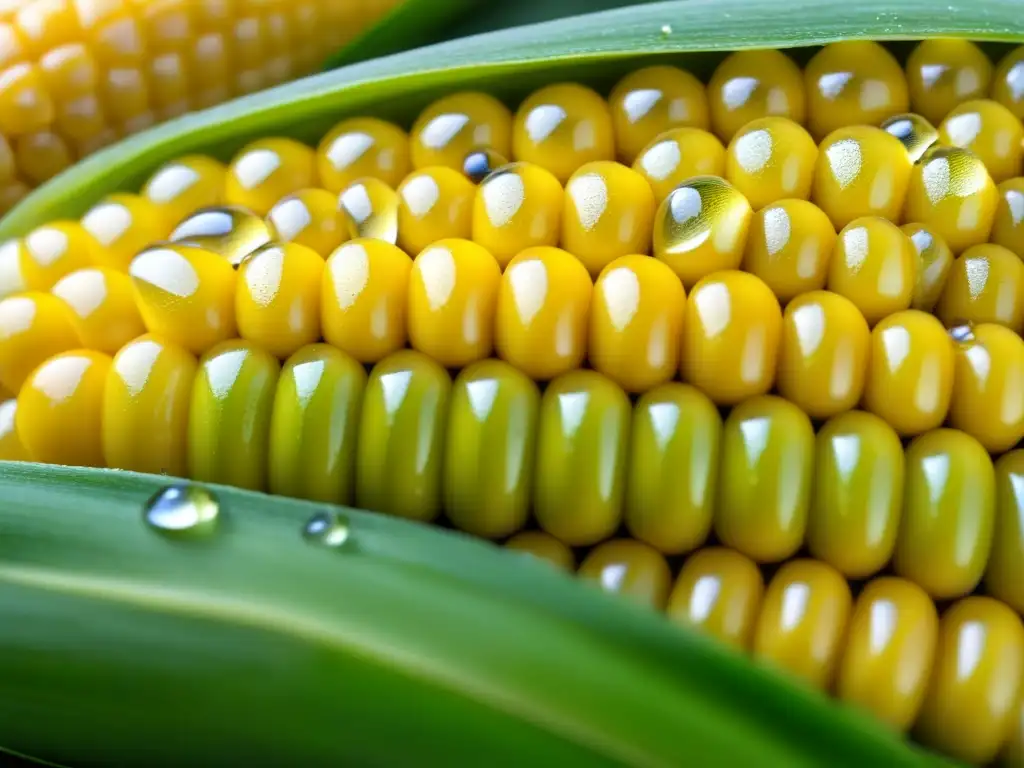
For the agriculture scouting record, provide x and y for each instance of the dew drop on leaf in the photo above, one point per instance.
(326, 529)
(182, 510)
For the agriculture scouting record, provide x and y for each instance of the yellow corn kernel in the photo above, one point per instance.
(751, 84)
(362, 147)
(990, 131)
(41, 155)
(719, 593)
(985, 285)
(185, 294)
(124, 224)
(630, 568)
(52, 251)
(543, 312)
(146, 406)
(373, 207)
(455, 125)
(771, 159)
(434, 204)
(277, 299)
(544, 547)
(452, 290)
(608, 213)
(649, 101)
(561, 127)
(934, 261)
(103, 306)
(365, 289)
(677, 155)
(33, 327)
(942, 73)
(185, 185)
(311, 218)
(635, 323)
(266, 170)
(519, 206)
(60, 407)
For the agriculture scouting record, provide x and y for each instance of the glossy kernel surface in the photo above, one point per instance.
(402, 436)
(718, 592)
(544, 547)
(364, 294)
(934, 262)
(803, 620)
(490, 449)
(229, 231)
(185, 294)
(853, 82)
(861, 171)
(359, 147)
(453, 286)
(649, 101)
(874, 265)
(988, 386)
(266, 170)
(915, 133)
(277, 301)
(985, 285)
(771, 159)
(519, 206)
(951, 191)
(990, 131)
(229, 416)
(11, 448)
(748, 85)
(124, 224)
(434, 204)
(944, 73)
(948, 513)
(608, 213)
(52, 251)
(543, 312)
(673, 468)
(1004, 575)
(629, 568)
(1008, 222)
(581, 458)
(858, 494)
(732, 327)
(59, 409)
(1008, 81)
(561, 127)
(823, 354)
(764, 489)
(314, 425)
(310, 218)
(789, 247)
(890, 649)
(636, 322)
(455, 125)
(183, 186)
(910, 373)
(33, 327)
(103, 307)
(972, 699)
(701, 228)
(677, 155)
(146, 407)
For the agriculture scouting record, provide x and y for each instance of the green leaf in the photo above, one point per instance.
(411, 23)
(407, 646)
(595, 48)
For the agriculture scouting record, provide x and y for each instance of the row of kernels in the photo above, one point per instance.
(582, 459)
(886, 650)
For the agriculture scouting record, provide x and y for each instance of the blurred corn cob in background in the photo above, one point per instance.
(76, 75)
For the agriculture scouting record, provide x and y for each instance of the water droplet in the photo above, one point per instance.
(229, 231)
(666, 30)
(182, 510)
(479, 164)
(373, 207)
(962, 332)
(328, 529)
(914, 132)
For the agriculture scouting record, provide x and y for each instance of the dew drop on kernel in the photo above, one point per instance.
(480, 163)
(183, 510)
(962, 333)
(326, 529)
(914, 132)
(230, 231)
(373, 206)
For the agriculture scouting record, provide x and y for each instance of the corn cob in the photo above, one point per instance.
(780, 268)
(80, 74)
